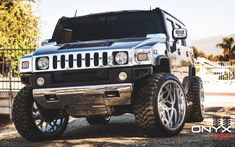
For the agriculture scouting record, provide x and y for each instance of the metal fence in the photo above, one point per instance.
(10, 82)
(7, 83)
(216, 73)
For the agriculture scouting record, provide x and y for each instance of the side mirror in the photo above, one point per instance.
(67, 36)
(47, 42)
(178, 34)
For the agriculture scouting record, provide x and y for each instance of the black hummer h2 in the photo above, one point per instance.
(107, 64)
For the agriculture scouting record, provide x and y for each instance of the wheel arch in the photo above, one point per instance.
(162, 64)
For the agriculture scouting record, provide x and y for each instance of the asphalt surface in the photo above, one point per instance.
(122, 131)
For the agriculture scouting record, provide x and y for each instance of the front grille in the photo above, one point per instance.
(54, 62)
(79, 60)
(70, 61)
(62, 61)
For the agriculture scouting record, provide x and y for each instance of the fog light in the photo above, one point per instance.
(40, 81)
(122, 76)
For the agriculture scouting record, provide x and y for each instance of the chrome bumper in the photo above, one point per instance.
(84, 100)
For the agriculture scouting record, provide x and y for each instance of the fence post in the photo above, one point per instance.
(10, 88)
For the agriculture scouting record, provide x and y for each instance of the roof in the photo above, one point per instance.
(126, 11)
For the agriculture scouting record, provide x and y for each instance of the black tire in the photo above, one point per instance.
(98, 120)
(145, 105)
(195, 93)
(24, 122)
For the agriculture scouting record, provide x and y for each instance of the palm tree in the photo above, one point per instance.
(233, 49)
(198, 53)
(195, 51)
(228, 47)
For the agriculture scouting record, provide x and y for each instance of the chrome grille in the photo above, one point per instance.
(79, 60)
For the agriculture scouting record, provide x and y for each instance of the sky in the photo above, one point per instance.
(203, 18)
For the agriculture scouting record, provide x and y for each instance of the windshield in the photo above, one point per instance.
(108, 26)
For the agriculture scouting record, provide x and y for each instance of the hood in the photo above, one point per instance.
(85, 46)
(133, 43)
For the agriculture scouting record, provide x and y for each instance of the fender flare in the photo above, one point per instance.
(159, 58)
(163, 60)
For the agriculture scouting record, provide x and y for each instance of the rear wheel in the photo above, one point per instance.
(195, 99)
(32, 122)
(98, 120)
(160, 105)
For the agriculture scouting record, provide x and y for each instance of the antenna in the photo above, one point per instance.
(76, 13)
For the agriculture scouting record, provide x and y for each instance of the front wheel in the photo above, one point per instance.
(160, 105)
(32, 122)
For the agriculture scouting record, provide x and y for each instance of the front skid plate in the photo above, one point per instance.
(84, 100)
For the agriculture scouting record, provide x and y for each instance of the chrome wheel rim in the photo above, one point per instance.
(171, 105)
(47, 127)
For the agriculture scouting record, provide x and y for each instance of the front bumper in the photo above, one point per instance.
(86, 77)
(85, 100)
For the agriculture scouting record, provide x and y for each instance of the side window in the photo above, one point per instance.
(178, 27)
(169, 25)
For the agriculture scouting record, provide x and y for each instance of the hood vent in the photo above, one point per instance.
(86, 44)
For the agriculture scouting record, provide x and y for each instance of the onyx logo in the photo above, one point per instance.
(220, 125)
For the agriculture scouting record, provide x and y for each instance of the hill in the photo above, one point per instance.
(208, 45)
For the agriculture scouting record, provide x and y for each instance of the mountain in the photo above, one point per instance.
(208, 45)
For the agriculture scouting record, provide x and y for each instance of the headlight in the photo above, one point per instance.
(43, 63)
(121, 58)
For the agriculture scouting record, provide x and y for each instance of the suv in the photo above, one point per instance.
(108, 64)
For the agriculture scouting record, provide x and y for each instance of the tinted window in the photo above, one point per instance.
(110, 26)
(169, 24)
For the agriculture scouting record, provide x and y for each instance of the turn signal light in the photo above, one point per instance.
(142, 56)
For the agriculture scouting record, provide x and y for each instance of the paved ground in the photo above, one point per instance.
(122, 131)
